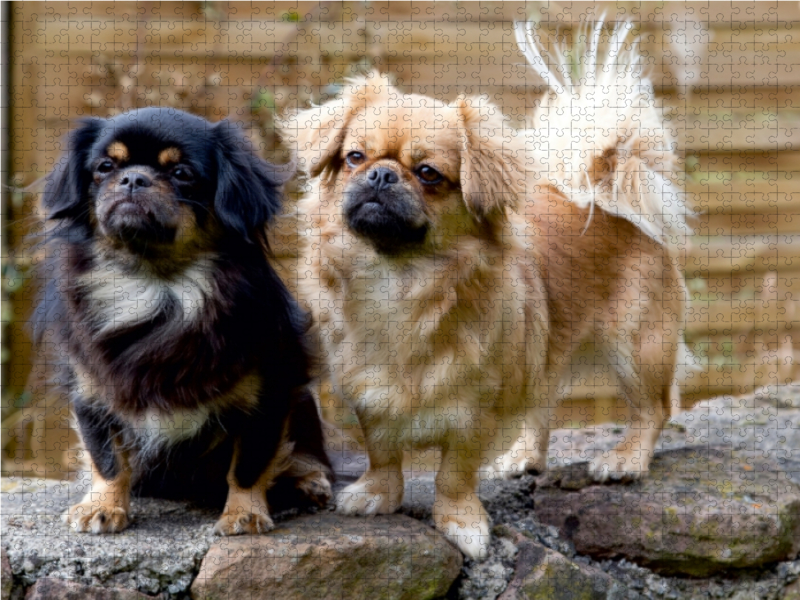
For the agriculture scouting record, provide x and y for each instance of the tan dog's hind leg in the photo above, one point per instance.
(631, 458)
(529, 452)
(457, 511)
(105, 507)
(645, 372)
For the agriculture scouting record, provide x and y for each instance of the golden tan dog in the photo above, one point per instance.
(451, 276)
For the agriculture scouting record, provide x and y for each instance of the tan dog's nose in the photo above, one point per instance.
(381, 178)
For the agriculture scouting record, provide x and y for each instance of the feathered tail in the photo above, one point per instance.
(599, 135)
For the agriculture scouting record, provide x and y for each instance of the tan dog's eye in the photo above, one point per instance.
(353, 159)
(429, 175)
(105, 167)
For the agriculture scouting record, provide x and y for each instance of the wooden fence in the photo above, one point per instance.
(725, 72)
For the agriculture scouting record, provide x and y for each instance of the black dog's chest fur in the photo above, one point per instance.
(178, 353)
(171, 386)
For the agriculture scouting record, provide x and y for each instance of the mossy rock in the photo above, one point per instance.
(699, 511)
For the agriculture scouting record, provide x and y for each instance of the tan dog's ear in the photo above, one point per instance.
(318, 133)
(492, 159)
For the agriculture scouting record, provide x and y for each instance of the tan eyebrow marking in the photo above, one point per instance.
(169, 155)
(418, 154)
(118, 151)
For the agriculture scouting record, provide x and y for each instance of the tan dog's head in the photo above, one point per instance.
(406, 171)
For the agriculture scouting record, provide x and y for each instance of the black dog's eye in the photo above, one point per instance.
(353, 159)
(105, 167)
(429, 175)
(182, 174)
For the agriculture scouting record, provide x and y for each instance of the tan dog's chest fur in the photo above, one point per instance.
(427, 346)
(439, 343)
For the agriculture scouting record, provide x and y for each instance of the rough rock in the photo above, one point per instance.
(329, 556)
(159, 553)
(6, 577)
(735, 451)
(702, 509)
(544, 574)
(767, 422)
(163, 549)
(49, 588)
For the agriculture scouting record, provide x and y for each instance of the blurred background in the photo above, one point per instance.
(725, 73)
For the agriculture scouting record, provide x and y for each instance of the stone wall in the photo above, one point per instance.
(718, 517)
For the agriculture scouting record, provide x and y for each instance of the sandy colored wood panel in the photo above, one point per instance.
(739, 254)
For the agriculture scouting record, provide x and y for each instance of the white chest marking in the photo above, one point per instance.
(120, 300)
(157, 429)
(193, 288)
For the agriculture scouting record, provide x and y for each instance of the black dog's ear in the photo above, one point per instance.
(248, 187)
(69, 181)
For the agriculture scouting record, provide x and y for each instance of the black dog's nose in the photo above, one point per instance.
(134, 179)
(381, 178)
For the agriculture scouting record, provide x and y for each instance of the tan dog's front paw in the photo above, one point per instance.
(243, 523)
(92, 517)
(616, 465)
(359, 499)
(469, 533)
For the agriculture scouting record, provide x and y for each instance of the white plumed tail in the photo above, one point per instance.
(599, 136)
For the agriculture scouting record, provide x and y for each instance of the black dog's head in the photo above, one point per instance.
(161, 179)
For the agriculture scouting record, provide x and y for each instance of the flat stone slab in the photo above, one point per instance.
(723, 492)
(160, 552)
(50, 588)
(329, 556)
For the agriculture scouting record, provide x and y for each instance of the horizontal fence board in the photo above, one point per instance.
(728, 179)
(780, 221)
(732, 180)
(575, 13)
(722, 129)
(751, 55)
(730, 316)
(771, 285)
(712, 14)
(769, 161)
(758, 253)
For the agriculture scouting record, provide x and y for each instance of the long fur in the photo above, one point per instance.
(441, 342)
(459, 339)
(599, 136)
(182, 351)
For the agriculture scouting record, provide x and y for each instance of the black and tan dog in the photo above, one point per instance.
(185, 359)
